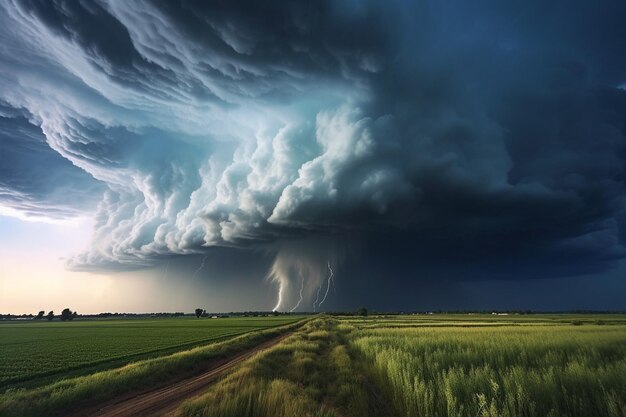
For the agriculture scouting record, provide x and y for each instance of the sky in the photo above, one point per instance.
(312, 156)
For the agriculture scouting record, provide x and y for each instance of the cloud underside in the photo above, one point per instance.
(496, 147)
(36, 181)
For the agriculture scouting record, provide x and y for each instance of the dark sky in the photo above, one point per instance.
(432, 154)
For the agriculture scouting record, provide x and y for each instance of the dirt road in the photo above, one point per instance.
(164, 400)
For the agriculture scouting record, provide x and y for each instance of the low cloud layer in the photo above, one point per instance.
(464, 141)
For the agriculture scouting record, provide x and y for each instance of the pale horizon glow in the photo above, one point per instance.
(34, 277)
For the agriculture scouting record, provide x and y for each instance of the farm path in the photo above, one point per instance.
(161, 401)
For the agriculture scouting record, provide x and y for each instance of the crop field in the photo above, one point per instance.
(381, 366)
(434, 366)
(34, 349)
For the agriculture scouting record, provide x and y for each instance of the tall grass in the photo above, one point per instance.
(310, 374)
(575, 371)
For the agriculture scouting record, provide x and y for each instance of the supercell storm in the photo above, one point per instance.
(319, 131)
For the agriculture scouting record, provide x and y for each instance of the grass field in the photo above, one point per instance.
(32, 350)
(419, 365)
(435, 366)
(532, 370)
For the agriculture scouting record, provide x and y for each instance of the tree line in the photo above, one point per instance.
(66, 315)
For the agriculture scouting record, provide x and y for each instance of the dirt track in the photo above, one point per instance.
(163, 400)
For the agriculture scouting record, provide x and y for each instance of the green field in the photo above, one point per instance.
(402, 366)
(30, 350)
(435, 366)
(532, 370)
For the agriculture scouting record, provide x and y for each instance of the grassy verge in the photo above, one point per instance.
(310, 374)
(63, 397)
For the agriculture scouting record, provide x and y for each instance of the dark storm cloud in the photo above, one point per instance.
(463, 140)
(263, 52)
(34, 179)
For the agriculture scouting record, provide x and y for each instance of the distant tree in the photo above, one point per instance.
(199, 312)
(66, 314)
(50, 315)
(74, 315)
(40, 315)
(362, 311)
(276, 313)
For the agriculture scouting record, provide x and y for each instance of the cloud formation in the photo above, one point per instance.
(471, 139)
(36, 181)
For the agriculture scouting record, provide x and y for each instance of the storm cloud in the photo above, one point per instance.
(455, 140)
(36, 181)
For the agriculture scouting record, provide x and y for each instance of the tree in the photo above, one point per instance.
(50, 315)
(199, 312)
(362, 311)
(40, 315)
(66, 314)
